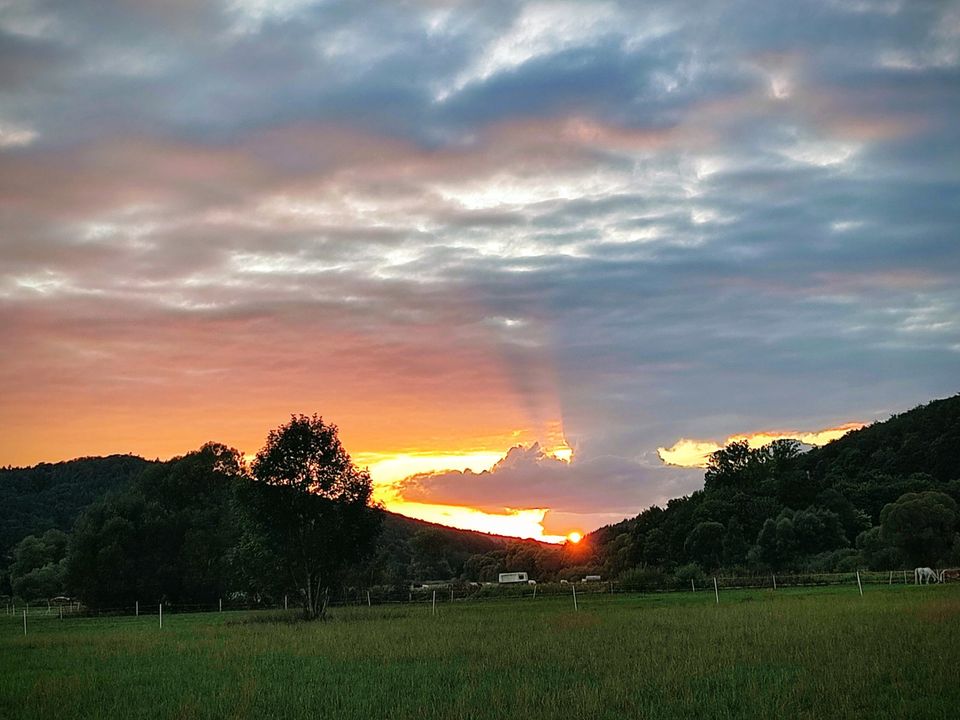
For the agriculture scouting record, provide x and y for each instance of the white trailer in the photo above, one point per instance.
(514, 577)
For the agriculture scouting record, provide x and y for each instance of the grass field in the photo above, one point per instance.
(795, 653)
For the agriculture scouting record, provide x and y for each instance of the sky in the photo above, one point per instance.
(535, 259)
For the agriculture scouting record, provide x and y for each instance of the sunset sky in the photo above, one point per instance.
(610, 236)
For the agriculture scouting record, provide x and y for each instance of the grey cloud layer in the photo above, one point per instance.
(592, 487)
(691, 222)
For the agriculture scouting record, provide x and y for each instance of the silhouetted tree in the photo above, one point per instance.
(312, 507)
(38, 570)
(735, 545)
(922, 525)
(167, 536)
(704, 544)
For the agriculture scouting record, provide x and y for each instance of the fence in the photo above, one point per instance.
(439, 593)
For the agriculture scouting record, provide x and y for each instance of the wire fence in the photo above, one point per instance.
(453, 592)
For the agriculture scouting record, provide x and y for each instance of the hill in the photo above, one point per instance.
(50, 496)
(412, 550)
(883, 497)
(779, 507)
(924, 440)
(53, 496)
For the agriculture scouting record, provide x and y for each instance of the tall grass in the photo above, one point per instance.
(810, 653)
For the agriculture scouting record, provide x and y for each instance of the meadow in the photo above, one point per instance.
(793, 653)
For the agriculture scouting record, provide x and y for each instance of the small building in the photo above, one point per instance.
(430, 584)
(512, 577)
(591, 578)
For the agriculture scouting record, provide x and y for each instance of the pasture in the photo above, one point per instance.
(794, 653)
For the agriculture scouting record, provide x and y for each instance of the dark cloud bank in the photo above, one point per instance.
(671, 220)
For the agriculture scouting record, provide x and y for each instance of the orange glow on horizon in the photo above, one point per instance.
(574, 537)
(696, 453)
(400, 411)
(523, 524)
(388, 469)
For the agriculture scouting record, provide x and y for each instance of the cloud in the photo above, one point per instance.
(529, 477)
(696, 453)
(540, 29)
(12, 136)
(625, 224)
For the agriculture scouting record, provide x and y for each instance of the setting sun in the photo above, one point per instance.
(574, 537)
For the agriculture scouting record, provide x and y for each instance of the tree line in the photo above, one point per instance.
(203, 527)
(299, 522)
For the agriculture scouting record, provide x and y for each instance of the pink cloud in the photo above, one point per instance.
(529, 478)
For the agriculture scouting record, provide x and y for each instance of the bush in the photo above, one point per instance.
(644, 579)
(688, 572)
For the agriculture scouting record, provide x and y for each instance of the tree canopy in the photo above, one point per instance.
(311, 507)
(922, 525)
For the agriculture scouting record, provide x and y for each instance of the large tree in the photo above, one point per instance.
(38, 567)
(312, 507)
(922, 525)
(704, 544)
(167, 536)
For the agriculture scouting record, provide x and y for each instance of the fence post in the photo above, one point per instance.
(61, 612)
(221, 605)
(716, 590)
(858, 583)
(693, 587)
(434, 602)
(891, 578)
(137, 609)
(534, 592)
(369, 604)
(774, 581)
(24, 622)
(575, 607)
(161, 615)
(284, 602)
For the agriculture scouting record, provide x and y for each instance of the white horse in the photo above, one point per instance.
(923, 576)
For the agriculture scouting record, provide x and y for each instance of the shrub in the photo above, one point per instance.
(688, 572)
(645, 579)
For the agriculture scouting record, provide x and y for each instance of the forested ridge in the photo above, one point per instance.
(110, 530)
(50, 496)
(778, 508)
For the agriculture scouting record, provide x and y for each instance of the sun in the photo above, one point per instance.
(574, 537)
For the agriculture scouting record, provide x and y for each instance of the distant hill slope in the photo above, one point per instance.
(925, 440)
(52, 495)
(911, 451)
(853, 477)
(471, 541)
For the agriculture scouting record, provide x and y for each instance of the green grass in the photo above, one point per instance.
(798, 653)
